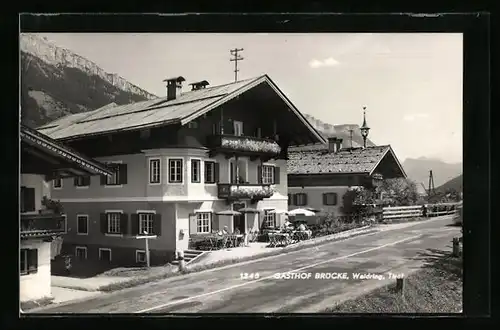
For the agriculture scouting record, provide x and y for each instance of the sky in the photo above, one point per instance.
(411, 84)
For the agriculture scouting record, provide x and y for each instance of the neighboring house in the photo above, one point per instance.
(178, 161)
(43, 159)
(320, 175)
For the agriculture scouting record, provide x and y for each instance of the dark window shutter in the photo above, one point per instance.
(231, 173)
(157, 224)
(123, 173)
(134, 224)
(216, 172)
(325, 199)
(335, 199)
(75, 181)
(259, 174)
(294, 199)
(32, 261)
(124, 223)
(290, 196)
(104, 223)
(276, 175)
(305, 199)
(23, 191)
(103, 180)
(29, 199)
(86, 181)
(192, 223)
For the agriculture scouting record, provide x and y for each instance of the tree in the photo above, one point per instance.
(402, 192)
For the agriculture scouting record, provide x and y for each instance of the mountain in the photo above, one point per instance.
(453, 184)
(56, 82)
(418, 171)
(340, 131)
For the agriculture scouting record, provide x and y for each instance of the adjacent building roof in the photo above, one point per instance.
(41, 141)
(161, 111)
(320, 161)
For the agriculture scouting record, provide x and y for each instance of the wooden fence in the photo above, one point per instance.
(431, 210)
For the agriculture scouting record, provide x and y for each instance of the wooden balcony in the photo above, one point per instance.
(237, 191)
(41, 225)
(250, 146)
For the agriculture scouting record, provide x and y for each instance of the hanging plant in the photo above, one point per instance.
(248, 144)
(52, 205)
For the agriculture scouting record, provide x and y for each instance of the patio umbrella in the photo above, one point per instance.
(228, 212)
(248, 210)
(304, 212)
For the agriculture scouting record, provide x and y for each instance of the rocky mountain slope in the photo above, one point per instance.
(453, 184)
(418, 170)
(56, 82)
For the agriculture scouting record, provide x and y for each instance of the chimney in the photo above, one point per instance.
(174, 87)
(339, 144)
(199, 85)
(332, 144)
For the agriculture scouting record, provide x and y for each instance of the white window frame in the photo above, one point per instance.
(212, 163)
(170, 161)
(137, 253)
(267, 218)
(54, 184)
(84, 216)
(146, 213)
(111, 212)
(297, 199)
(271, 177)
(105, 249)
(84, 248)
(152, 175)
(191, 170)
(200, 219)
(238, 124)
(106, 185)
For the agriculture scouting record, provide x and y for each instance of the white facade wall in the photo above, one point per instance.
(37, 286)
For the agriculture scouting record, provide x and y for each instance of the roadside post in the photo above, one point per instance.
(400, 286)
(182, 263)
(456, 247)
(146, 238)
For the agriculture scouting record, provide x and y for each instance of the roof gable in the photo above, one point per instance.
(357, 160)
(161, 111)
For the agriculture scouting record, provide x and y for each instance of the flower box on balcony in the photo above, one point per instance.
(245, 191)
(245, 144)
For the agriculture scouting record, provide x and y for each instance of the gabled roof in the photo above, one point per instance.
(41, 141)
(356, 160)
(161, 111)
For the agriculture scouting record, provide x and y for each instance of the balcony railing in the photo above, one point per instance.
(244, 145)
(237, 191)
(42, 225)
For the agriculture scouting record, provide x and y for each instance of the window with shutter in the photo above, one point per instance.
(154, 171)
(82, 224)
(146, 223)
(175, 171)
(330, 199)
(114, 180)
(195, 171)
(300, 199)
(268, 174)
(276, 176)
(82, 181)
(209, 172)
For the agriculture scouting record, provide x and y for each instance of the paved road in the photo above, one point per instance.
(224, 291)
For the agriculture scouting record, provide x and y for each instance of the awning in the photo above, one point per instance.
(205, 207)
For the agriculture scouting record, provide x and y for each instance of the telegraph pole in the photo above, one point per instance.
(235, 59)
(431, 184)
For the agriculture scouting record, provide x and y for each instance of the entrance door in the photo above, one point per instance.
(239, 220)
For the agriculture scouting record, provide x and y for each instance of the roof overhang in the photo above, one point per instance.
(46, 145)
(391, 152)
(247, 87)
